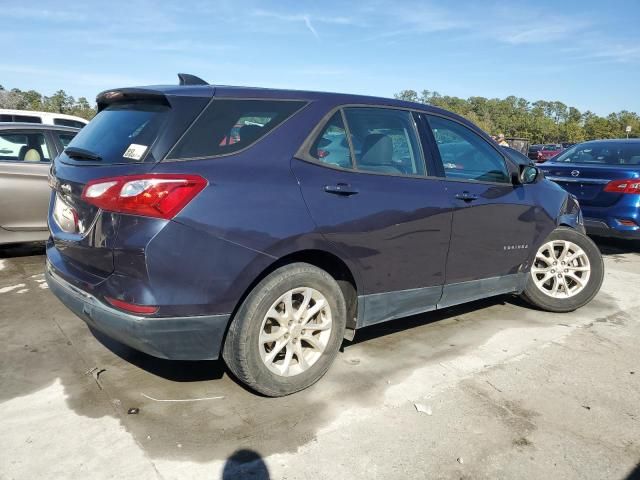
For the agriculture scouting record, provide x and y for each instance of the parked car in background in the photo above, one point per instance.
(46, 118)
(26, 152)
(518, 143)
(548, 151)
(566, 145)
(268, 251)
(532, 153)
(605, 177)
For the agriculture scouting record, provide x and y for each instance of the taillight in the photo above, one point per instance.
(151, 195)
(132, 307)
(623, 186)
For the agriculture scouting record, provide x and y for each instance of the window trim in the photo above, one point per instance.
(303, 152)
(510, 167)
(51, 147)
(166, 158)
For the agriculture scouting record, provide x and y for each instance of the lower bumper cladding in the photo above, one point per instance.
(174, 338)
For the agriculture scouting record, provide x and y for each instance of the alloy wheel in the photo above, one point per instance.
(561, 269)
(295, 331)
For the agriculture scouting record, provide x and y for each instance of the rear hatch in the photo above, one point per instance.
(133, 130)
(587, 170)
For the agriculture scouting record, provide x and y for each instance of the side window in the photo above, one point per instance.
(27, 119)
(64, 137)
(465, 155)
(23, 147)
(385, 141)
(64, 122)
(227, 126)
(331, 146)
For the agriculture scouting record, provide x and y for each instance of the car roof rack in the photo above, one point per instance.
(188, 79)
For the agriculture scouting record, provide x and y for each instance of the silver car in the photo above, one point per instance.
(26, 152)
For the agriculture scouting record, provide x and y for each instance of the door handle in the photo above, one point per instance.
(466, 196)
(343, 189)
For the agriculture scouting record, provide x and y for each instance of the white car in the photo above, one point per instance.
(47, 118)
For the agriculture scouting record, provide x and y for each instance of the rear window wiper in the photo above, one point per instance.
(82, 154)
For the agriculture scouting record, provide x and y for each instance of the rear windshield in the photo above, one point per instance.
(122, 132)
(552, 148)
(602, 153)
(227, 126)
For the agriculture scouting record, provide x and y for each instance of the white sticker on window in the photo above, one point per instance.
(135, 151)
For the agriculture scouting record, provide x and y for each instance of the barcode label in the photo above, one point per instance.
(135, 151)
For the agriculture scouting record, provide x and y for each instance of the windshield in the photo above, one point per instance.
(122, 132)
(606, 153)
(552, 148)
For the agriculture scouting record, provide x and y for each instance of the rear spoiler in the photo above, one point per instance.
(109, 97)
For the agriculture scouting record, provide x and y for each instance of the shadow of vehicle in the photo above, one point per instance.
(616, 246)
(245, 464)
(14, 250)
(174, 370)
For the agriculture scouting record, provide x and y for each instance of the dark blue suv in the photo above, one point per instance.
(265, 226)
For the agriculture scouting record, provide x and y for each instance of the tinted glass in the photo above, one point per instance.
(113, 131)
(331, 146)
(606, 153)
(68, 123)
(231, 125)
(385, 141)
(65, 137)
(23, 147)
(466, 155)
(27, 119)
(552, 148)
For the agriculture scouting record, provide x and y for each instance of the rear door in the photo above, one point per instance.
(495, 223)
(585, 170)
(370, 194)
(25, 158)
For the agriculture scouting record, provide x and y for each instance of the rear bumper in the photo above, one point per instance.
(174, 338)
(601, 228)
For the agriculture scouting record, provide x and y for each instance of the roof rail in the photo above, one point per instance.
(188, 79)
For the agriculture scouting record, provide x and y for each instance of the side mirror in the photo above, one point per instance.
(529, 174)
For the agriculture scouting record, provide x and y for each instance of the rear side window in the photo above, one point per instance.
(64, 137)
(64, 122)
(465, 155)
(19, 118)
(227, 126)
(23, 147)
(331, 146)
(122, 132)
(385, 141)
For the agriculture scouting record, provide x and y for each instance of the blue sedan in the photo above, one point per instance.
(605, 177)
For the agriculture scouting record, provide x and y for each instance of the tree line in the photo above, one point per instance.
(59, 102)
(540, 122)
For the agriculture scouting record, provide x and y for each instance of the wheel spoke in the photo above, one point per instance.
(544, 279)
(578, 269)
(316, 327)
(313, 342)
(319, 305)
(565, 285)
(276, 315)
(287, 360)
(288, 305)
(276, 350)
(273, 336)
(298, 350)
(304, 304)
(576, 279)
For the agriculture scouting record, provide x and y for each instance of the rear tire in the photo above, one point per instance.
(567, 272)
(287, 332)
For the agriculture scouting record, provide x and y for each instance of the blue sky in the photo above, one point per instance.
(584, 53)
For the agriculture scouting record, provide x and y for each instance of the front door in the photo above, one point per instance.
(370, 195)
(25, 157)
(496, 224)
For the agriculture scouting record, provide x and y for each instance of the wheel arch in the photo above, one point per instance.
(327, 261)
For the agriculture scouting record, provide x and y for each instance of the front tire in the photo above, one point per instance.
(567, 272)
(288, 330)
